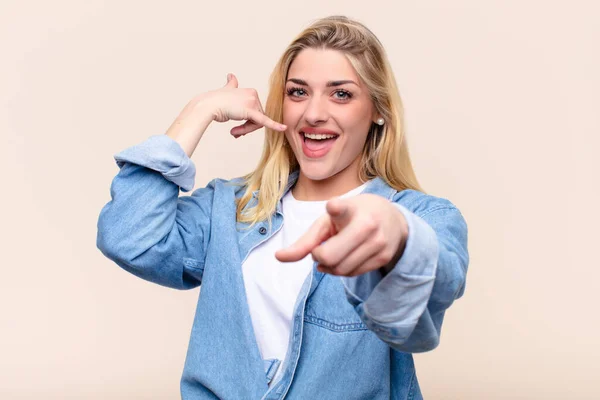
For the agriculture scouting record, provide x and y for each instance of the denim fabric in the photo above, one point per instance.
(351, 338)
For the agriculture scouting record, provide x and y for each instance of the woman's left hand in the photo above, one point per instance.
(361, 234)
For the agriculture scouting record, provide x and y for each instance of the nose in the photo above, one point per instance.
(316, 111)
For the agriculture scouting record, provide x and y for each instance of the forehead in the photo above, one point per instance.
(319, 66)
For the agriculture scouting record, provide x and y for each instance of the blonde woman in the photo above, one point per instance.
(324, 268)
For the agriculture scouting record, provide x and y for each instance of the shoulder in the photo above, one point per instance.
(429, 207)
(421, 203)
(446, 220)
(223, 188)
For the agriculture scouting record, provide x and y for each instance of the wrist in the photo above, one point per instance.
(189, 127)
(204, 110)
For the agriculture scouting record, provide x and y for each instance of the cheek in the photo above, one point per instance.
(356, 125)
(355, 142)
(291, 113)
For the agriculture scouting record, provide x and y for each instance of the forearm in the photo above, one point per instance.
(189, 127)
(405, 308)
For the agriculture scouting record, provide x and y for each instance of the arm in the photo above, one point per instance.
(146, 228)
(406, 307)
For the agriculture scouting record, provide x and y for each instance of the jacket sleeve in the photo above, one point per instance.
(146, 228)
(406, 307)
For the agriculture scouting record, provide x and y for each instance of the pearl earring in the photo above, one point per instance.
(380, 121)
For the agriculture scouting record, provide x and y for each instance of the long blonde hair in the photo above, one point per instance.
(385, 153)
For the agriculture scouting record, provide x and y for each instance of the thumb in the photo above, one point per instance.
(232, 82)
(339, 211)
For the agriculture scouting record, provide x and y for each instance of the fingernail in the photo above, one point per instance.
(228, 77)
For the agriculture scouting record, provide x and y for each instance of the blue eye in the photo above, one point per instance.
(345, 95)
(339, 94)
(293, 91)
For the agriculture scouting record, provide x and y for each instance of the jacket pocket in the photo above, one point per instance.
(329, 308)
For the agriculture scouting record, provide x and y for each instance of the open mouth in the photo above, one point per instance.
(316, 145)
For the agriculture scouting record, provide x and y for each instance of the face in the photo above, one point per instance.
(328, 111)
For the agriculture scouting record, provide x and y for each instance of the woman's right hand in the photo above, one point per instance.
(233, 103)
(224, 104)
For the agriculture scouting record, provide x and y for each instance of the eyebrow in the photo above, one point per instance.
(329, 84)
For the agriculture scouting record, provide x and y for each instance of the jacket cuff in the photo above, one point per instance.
(391, 305)
(162, 154)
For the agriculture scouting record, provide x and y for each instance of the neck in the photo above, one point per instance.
(307, 189)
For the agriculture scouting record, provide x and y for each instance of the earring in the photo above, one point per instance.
(380, 121)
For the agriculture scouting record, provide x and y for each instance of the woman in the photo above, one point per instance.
(323, 269)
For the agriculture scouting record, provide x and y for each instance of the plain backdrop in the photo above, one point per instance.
(501, 101)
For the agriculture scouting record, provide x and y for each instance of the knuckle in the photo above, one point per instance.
(369, 224)
(327, 260)
(249, 102)
(324, 258)
(379, 240)
(380, 260)
(384, 257)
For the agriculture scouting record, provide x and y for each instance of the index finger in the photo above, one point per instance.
(319, 231)
(262, 119)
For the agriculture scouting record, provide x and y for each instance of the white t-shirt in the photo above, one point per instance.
(272, 287)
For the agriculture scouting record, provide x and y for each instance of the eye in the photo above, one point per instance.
(343, 94)
(296, 92)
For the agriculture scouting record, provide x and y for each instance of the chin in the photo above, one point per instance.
(316, 172)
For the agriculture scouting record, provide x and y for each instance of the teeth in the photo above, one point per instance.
(318, 136)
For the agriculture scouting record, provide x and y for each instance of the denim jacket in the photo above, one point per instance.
(351, 337)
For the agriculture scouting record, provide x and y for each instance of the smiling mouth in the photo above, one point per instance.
(317, 145)
(317, 137)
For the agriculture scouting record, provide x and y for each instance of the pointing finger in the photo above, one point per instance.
(319, 231)
(340, 212)
(263, 120)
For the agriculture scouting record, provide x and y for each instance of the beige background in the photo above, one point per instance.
(502, 102)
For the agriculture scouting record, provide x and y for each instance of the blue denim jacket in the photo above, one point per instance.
(351, 338)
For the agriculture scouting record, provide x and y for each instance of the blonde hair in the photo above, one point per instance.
(385, 153)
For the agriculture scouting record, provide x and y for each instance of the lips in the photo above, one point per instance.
(321, 144)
